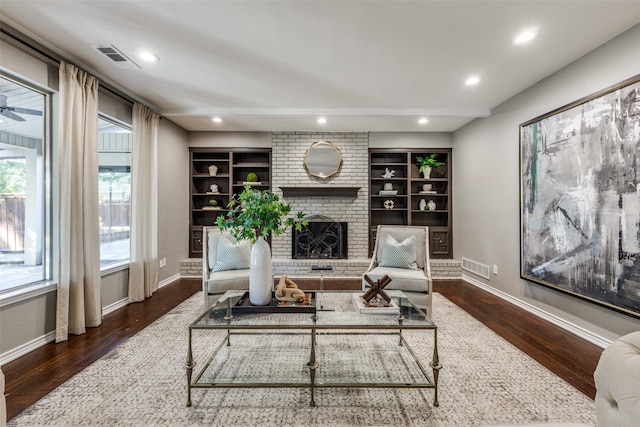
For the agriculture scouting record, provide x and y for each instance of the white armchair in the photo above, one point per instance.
(225, 264)
(402, 253)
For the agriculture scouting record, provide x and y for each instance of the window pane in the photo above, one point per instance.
(22, 183)
(114, 181)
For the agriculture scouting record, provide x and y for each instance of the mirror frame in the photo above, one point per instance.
(330, 169)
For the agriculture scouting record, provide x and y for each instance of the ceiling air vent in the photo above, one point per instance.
(119, 58)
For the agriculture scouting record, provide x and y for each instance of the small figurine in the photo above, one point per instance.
(388, 173)
(376, 288)
(287, 290)
(214, 188)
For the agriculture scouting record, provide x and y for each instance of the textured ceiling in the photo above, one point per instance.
(364, 65)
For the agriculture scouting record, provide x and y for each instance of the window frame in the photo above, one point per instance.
(46, 199)
(122, 264)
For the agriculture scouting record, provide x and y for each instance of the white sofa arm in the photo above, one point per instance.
(617, 380)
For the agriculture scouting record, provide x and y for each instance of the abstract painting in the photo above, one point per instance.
(580, 198)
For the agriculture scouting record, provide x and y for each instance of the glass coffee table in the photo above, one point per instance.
(300, 347)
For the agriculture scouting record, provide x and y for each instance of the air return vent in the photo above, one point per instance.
(475, 267)
(118, 58)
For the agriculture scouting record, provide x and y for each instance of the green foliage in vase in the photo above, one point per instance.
(255, 213)
(429, 160)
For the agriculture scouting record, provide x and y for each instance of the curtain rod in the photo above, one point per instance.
(53, 58)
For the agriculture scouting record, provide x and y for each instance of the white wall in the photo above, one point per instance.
(486, 183)
(173, 197)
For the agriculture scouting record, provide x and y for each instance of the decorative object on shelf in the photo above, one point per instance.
(252, 215)
(287, 290)
(214, 188)
(388, 186)
(388, 204)
(213, 170)
(426, 163)
(423, 204)
(376, 289)
(388, 173)
(323, 159)
(427, 189)
(252, 177)
(431, 205)
(388, 193)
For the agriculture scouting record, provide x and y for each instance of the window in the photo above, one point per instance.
(23, 210)
(114, 182)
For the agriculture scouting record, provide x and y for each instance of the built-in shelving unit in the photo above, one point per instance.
(396, 189)
(232, 167)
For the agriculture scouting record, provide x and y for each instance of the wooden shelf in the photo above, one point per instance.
(409, 182)
(321, 191)
(233, 165)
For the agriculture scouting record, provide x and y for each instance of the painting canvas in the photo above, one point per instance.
(580, 198)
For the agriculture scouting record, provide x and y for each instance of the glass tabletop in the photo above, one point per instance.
(346, 312)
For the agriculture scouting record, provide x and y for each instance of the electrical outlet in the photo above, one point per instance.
(163, 263)
(495, 269)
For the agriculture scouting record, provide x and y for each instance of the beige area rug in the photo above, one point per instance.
(484, 381)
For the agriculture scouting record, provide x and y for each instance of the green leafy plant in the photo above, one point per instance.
(428, 161)
(255, 213)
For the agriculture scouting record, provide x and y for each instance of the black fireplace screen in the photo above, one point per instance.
(322, 238)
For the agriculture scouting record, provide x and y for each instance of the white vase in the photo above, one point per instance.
(213, 170)
(423, 204)
(431, 205)
(260, 275)
(427, 172)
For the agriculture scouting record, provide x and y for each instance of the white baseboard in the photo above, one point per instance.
(113, 307)
(28, 347)
(558, 321)
(169, 280)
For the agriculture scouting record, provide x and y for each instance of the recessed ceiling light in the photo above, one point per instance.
(322, 120)
(472, 81)
(149, 57)
(217, 120)
(525, 37)
(423, 121)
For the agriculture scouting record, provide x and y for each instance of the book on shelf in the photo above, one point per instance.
(387, 192)
(429, 192)
(252, 183)
(363, 307)
(212, 192)
(211, 208)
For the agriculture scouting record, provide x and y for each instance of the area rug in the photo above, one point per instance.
(484, 381)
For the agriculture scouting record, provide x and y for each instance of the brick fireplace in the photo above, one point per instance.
(288, 150)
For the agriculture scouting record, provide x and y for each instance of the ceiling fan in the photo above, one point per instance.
(10, 112)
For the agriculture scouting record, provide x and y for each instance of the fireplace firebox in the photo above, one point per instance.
(322, 238)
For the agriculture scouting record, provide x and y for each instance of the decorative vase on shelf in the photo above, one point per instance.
(260, 276)
(431, 205)
(213, 170)
(427, 172)
(423, 204)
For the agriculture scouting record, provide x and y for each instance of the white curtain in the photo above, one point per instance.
(78, 303)
(143, 271)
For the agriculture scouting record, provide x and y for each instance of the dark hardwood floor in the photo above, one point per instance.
(32, 376)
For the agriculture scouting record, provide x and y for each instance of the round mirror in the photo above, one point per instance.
(323, 159)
